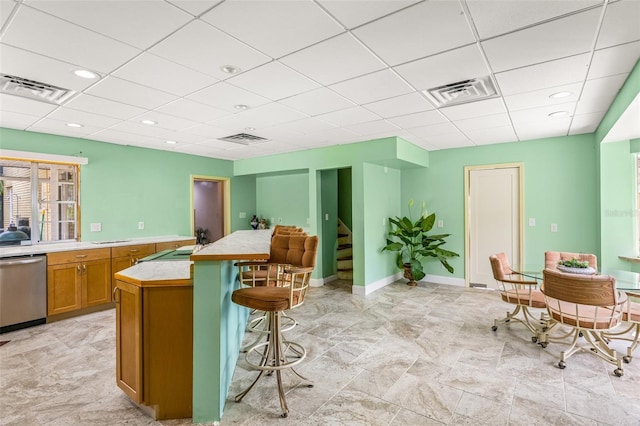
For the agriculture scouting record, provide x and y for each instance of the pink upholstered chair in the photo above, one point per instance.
(551, 258)
(631, 334)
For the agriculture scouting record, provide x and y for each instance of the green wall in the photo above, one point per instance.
(328, 229)
(123, 185)
(344, 197)
(283, 196)
(560, 186)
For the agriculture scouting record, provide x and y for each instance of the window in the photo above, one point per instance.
(39, 199)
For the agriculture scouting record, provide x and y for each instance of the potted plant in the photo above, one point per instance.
(413, 243)
(575, 266)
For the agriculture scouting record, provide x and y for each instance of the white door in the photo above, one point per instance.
(493, 221)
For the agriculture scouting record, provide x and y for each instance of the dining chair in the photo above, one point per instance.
(631, 315)
(551, 258)
(591, 307)
(522, 291)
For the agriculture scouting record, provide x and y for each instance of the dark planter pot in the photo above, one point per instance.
(408, 275)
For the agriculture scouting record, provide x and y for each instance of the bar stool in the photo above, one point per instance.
(276, 353)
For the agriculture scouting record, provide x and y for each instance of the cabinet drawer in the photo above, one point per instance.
(136, 250)
(78, 256)
(172, 245)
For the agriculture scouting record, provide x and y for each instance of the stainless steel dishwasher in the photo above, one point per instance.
(23, 292)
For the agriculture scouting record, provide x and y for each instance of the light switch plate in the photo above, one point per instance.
(96, 227)
(532, 221)
(243, 215)
(140, 225)
(554, 227)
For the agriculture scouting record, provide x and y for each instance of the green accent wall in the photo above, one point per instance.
(344, 197)
(328, 229)
(283, 196)
(560, 186)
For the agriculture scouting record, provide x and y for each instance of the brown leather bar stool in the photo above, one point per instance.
(276, 353)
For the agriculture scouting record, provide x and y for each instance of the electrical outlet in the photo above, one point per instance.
(554, 227)
(440, 223)
(279, 220)
(140, 225)
(243, 215)
(326, 216)
(532, 221)
(96, 227)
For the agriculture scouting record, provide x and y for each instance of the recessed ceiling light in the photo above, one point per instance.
(230, 69)
(559, 114)
(74, 125)
(172, 142)
(560, 95)
(149, 122)
(241, 107)
(85, 74)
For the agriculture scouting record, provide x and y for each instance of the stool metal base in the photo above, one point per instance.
(274, 355)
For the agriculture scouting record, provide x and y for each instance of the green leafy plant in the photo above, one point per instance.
(574, 263)
(413, 243)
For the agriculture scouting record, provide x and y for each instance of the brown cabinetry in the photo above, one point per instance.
(172, 245)
(154, 346)
(78, 279)
(125, 256)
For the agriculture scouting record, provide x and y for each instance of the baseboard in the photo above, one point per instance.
(319, 282)
(439, 279)
(376, 285)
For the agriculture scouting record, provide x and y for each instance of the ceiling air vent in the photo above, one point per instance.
(35, 90)
(243, 139)
(475, 89)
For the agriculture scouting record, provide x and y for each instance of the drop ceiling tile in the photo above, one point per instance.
(445, 68)
(24, 105)
(32, 30)
(280, 133)
(16, 120)
(57, 127)
(541, 115)
(36, 67)
(317, 101)
(208, 131)
(81, 117)
(450, 140)
(333, 60)
(208, 57)
(418, 119)
(492, 135)
(556, 39)
(492, 17)
(484, 122)
(373, 87)
(274, 28)
(218, 144)
(429, 132)
(130, 93)
(620, 24)
(373, 127)
(6, 8)
(263, 116)
(225, 96)
(598, 94)
(138, 23)
(192, 110)
(614, 60)
(474, 109)
(418, 31)
(274, 81)
(183, 138)
(354, 13)
(166, 121)
(348, 116)
(338, 135)
(586, 123)
(543, 129)
(400, 105)
(549, 74)
(538, 98)
(158, 73)
(307, 126)
(195, 7)
(123, 138)
(144, 130)
(85, 102)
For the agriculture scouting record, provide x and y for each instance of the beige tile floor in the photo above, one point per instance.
(401, 356)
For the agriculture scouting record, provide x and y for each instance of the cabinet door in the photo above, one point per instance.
(64, 288)
(96, 285)
(129, 339)
(119, 264)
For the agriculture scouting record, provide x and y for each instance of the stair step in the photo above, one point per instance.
(344, 252)
(342, 235)
(345, 275)
(345, 265)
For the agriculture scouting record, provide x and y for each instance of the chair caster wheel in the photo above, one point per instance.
(284, 415)
(544, 344)
(534, 339)
(562, 365)
(626, 359)
(309, 386)
(494, 328)
(507, 320)
(618, 372)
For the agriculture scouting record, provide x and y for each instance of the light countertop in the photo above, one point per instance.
(53, 247)
(240, 245)
(158, 274)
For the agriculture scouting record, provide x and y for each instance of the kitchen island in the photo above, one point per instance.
(218, 323)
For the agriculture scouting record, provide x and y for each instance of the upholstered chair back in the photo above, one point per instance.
(551, 258)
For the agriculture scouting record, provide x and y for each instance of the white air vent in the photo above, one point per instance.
(244, 139)
(463, 91)
(35, 90)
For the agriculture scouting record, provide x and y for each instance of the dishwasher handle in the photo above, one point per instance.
(11, 262)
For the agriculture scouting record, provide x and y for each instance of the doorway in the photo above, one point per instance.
(210, 206)
(493, 219)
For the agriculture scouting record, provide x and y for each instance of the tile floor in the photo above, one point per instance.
(401, 356)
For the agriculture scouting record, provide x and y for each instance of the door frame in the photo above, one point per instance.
(467, 236)
(226, 195)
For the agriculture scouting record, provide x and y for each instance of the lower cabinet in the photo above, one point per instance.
(123, 257)
(78, 279)
(154, 347)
